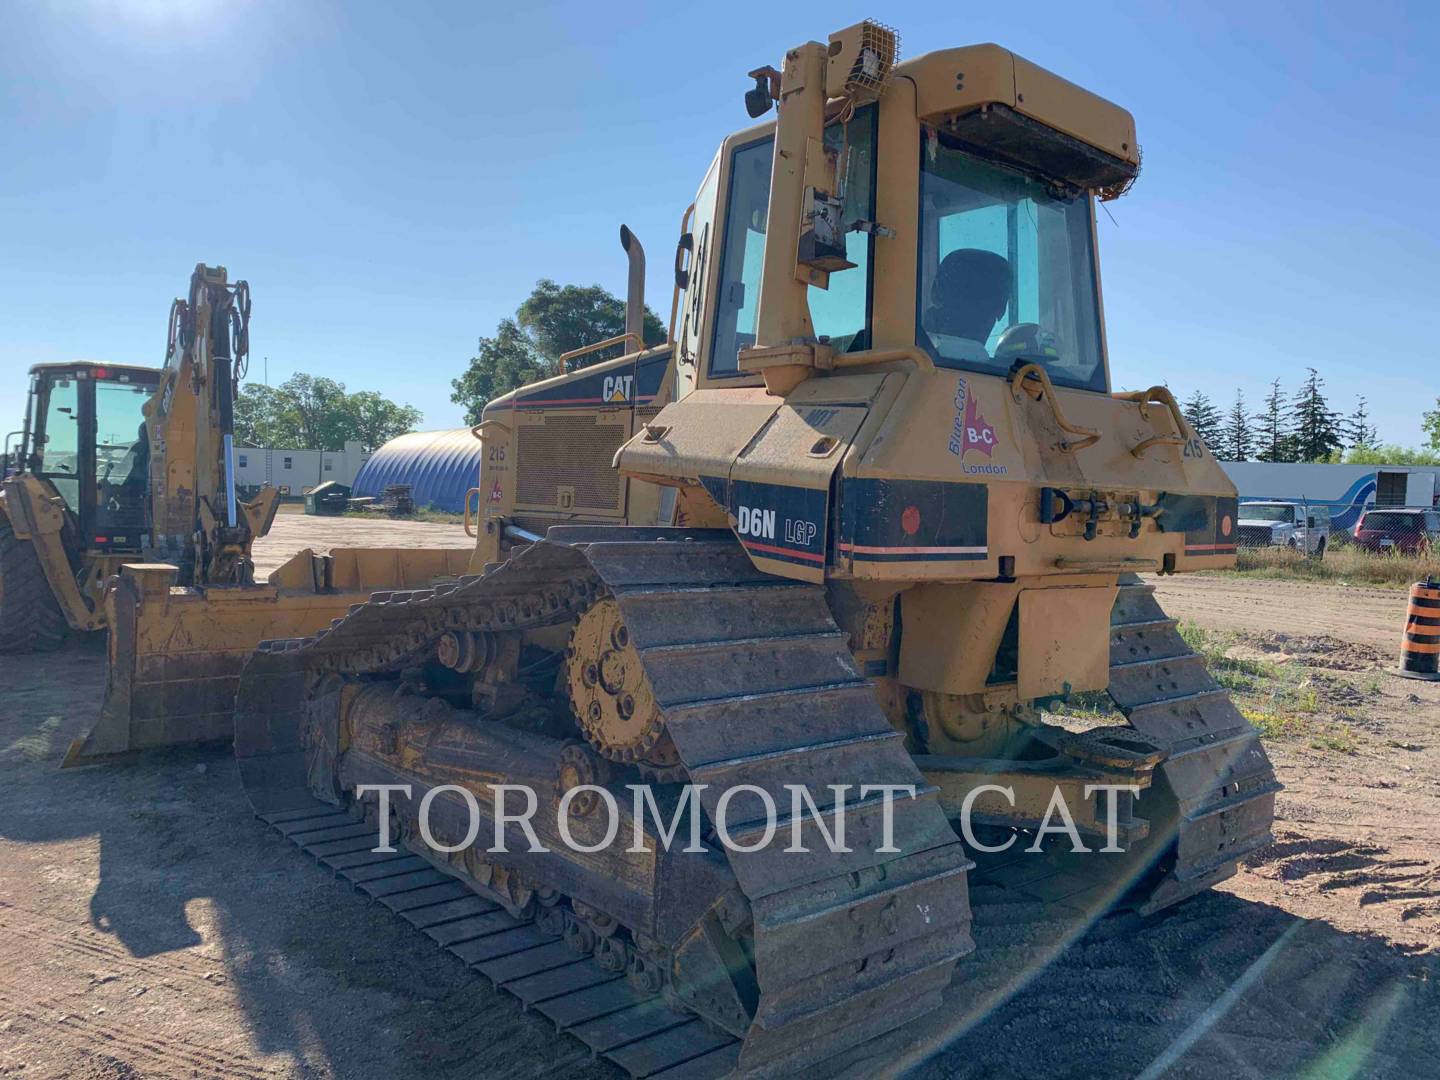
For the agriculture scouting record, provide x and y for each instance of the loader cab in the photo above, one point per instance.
(86, 437)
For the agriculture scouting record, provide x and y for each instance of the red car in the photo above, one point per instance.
(1410, 532)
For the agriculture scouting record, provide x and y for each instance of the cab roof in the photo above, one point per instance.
(94, 365)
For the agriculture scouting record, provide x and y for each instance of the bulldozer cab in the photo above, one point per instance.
(1006, 269)
(86, 437)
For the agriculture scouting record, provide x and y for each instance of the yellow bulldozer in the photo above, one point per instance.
(123, 515)
(871, 510)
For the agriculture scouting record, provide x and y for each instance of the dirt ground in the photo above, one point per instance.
(1372, 617)
(292, 532)
(150, 927)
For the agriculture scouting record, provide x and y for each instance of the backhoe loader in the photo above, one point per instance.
(871, 511)
(125, 464)
(124, 516)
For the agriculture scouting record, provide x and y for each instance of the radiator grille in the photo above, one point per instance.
(570, 451)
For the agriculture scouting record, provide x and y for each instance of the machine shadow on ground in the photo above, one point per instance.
(159, 862)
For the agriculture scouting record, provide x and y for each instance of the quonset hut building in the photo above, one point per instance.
(439, 466)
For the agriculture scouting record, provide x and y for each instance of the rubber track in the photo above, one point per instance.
(30, 619)
(759, 687)
(1216, 767)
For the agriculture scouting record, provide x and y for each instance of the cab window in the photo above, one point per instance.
(1007, 269)
(122, 460)
(60, 462)
(840, 313)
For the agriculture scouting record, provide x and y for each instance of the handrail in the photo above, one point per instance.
(619, 339)
(680, 249)
(465, 522)
(1159, 395)
(1089, 436)
(5, 456)
(919, 357)
(480, 427)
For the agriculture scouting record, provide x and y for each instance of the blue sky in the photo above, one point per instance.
(393, 178)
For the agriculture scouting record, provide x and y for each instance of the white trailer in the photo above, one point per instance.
(1347, 490)
(294, 471)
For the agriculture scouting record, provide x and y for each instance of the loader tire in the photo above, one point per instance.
(30, 620)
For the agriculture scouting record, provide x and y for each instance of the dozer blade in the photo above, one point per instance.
(175, 654)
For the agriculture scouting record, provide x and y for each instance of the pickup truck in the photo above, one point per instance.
(1292, 525)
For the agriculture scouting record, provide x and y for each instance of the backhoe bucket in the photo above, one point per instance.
(175, 654)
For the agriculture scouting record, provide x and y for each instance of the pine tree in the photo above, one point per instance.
(1237, 438)
(1356, 429)
(1273, 441)
(1430, 421)
(1204, 417)
(1317, 428)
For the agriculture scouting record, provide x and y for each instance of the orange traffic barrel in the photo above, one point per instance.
(1420, 644)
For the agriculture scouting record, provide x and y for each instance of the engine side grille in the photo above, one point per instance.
(569, 451)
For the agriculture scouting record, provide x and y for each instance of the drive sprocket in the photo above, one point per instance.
(612, 698)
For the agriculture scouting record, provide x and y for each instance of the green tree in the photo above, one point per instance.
(375, 420)
(308, 412)
(1204, 417)
(560, 319)
(318, 404)
(1390, 455)
(263, 417)
(1430, 421)
(1356, 430)
(500, 364)
(1237, 438)
(1316, 426)
(552, 320)
(1272, 429)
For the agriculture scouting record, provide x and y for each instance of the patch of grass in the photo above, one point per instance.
(1268, 722)
(1092, 705)
(1283, 701)
(435, 517)
(438, 517)
(1337, 737)
(1235, 673)
(1344, 565)
(1279, 699)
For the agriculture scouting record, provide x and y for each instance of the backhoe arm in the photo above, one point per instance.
(200, 525)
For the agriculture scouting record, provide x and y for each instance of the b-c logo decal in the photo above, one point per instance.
(971, 431)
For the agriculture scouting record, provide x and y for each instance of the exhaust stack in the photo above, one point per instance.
(635, 286)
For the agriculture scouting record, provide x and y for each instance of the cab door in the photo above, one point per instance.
(58, 437)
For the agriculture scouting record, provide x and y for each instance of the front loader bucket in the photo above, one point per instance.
(175, 654)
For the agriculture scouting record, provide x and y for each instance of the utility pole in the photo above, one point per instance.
(267, 371)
